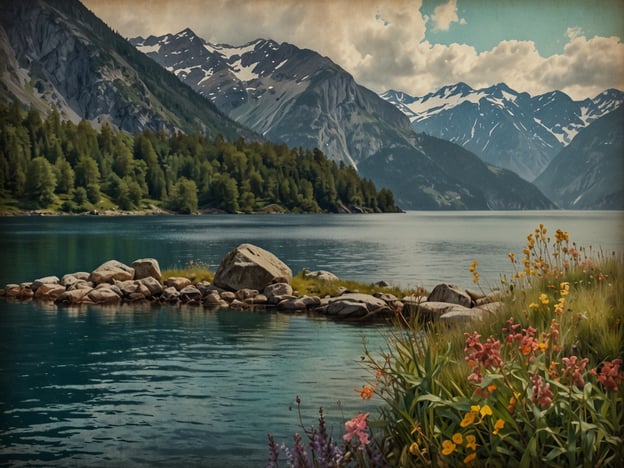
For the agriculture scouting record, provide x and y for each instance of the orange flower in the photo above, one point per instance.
(498, 425)
(366, 392)
(448, 447)
(471, 442)
(470, 458)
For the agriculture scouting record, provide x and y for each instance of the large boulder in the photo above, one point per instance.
(251, 267)
(110, 271)
(146, 267)
(450, 294)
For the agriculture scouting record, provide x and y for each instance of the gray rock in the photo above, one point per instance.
(111, 271)
(47, 280)
(104, 296)
(214, 300)
(252, 267)
(277, 292)
(427, 311)
(321, 275)
(228, 296)
(461, 316)
(190, 294)
(171, 294)
(69, 280)
(146, 267)
(448, 293)
(355, 306)
(259, 299)
(72, 297)
(154, 286)
(12, 290)
(49, 291)
(178, 282)
(206, 288)
(246, 293)
(491, 307)
(299, 303)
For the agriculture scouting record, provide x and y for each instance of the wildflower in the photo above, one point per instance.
(366, 393)
(413, 448)
(357, 427)
(542, 395)
(485, 411)
(573, 370)
(470, 458)
(610, 375)
(512, 257)
(448, 447)
(552, 371)
(469, 419)
(458, 438)
(564, 288)
(544, 299)
(533, 306)
(473, 270)
(498, 425)
(481, 354)
(471, 442)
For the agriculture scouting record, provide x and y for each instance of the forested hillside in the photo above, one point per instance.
(47, 163)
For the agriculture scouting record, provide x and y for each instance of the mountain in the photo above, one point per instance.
(448, 176)
(286, 94)
(589, 172)
(298, 97)
(57, 53)
(500, 125)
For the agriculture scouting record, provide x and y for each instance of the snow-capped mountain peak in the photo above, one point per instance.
(502, 126)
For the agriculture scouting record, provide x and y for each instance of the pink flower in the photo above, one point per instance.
(542, 395)
(357, 427)
(573, 370)
(481, 354)
(610, 375)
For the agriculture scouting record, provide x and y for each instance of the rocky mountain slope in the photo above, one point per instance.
(57, 53)
(589, 172)
(298, 97)
(285, 93)
(503, 127)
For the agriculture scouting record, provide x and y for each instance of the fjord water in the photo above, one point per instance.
(143, 386)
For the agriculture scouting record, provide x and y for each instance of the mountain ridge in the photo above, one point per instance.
(502, 126)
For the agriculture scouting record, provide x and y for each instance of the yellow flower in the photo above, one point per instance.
(564, 289)
(413, 448)
(512, 257)
(533, 306)
(470, 458)
(469, 418)
(544, 299)
(498, 425)
(471, 442)
(458, 439)
(448, 447)
(486, 411)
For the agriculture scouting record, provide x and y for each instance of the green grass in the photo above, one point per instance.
(195, 271)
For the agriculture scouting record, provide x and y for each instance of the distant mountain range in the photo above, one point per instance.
(298, 97)
(504, 127)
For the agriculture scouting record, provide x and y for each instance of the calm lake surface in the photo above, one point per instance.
(141, 386)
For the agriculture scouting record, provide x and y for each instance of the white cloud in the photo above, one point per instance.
(381, 42)
(444, 15)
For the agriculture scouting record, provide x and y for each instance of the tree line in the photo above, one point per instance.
(47, 162)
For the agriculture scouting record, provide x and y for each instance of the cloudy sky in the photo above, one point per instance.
(415, 46)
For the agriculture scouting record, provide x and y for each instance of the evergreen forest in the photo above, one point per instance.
(50, 164)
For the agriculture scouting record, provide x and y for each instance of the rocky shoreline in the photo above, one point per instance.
(249, 277)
